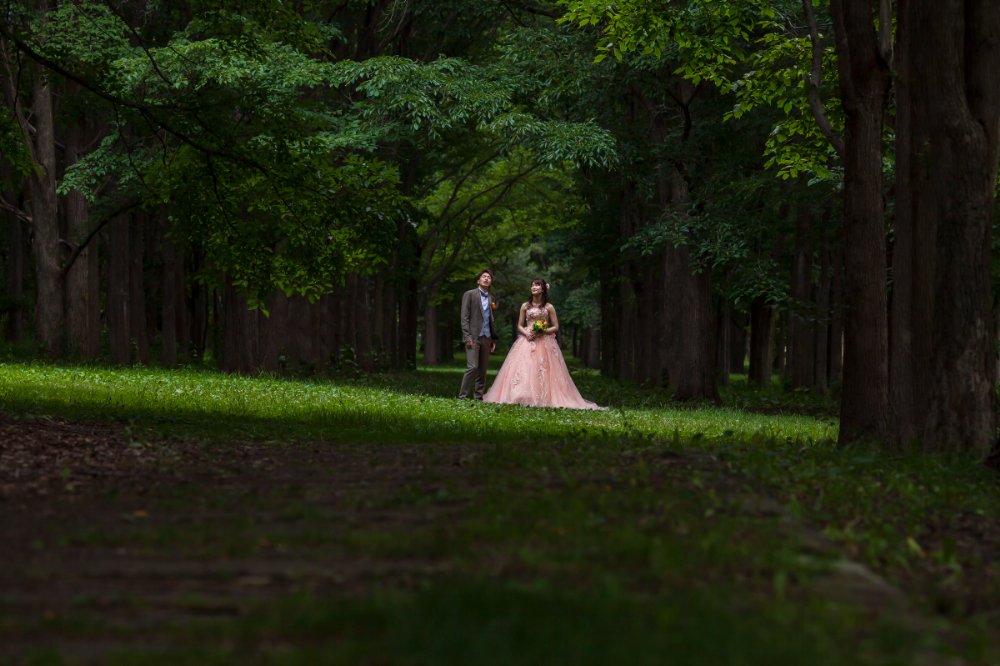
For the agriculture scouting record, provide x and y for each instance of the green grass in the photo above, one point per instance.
(574, 540)
(409, 407)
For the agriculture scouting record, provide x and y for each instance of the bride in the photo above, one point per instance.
(535, 373)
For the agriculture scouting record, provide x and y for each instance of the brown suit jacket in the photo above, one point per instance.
(472, 316)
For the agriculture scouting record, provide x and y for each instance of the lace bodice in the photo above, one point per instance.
(533, 314)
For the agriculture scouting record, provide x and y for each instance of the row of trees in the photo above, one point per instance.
(860, 100)
(331, 167)
(701, 180)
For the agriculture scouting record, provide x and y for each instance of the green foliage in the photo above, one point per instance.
(12, 144)
(746, 48)
(267, 151)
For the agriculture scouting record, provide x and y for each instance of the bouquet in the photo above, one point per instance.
(540, 327)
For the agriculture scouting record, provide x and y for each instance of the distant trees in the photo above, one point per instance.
(257, 183)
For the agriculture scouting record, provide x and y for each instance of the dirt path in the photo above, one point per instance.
(108, 539)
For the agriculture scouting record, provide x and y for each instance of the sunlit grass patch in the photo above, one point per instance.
(410, 407)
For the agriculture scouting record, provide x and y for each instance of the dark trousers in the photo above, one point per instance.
(477, 358)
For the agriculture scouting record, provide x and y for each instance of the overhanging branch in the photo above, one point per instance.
(814, 79)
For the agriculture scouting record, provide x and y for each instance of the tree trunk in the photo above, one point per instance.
(293, 353)
(957, 107)
(329, 331)
(82, 301)
(800, 328)
(864, 86)
(696, 370)
(45, 214)
(390, 324)
(447, 343)
(430, 335)
(118, 292)
(723, 354)
(786, 347)
(408, 325)
(594, 353)
(379, 339)
(823, 309)
(607, 322)
(761, 342)
(15, 259)
(913, 258)
(240, 334)
(278, 339)
(627, 322)
(738, 342)
(168, 326)
(836, 350)
(192, 312)
(349, 312)
(362, 319)
(137, 293)
(303, 330)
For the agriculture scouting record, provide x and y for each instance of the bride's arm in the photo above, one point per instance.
(520, 321)
(554, 325)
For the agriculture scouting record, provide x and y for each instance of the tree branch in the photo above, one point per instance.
(86, 241)
(432, 280)
(143, 109)
(813, 80)
(15, 210)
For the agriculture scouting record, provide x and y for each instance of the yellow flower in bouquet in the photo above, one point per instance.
(539, 327)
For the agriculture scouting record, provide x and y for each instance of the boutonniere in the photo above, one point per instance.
(493, 305)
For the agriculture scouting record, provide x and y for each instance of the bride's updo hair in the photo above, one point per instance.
(545, 293)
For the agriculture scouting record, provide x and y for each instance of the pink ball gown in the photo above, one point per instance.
(535, 373)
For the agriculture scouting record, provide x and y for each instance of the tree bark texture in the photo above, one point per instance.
(137, 291)
(277, 342)
(723, 354)
(823, 309)
(739, 341)
(696, 369)
(240, 343)
(608, 329)
(430, 335)
(15, 260)
(914, 254)
(171, 301)
(800, 326)
(594, 349)
(864, 85)
(836, 347)
(761, 341)
(45, 213)
(117, 306)
(83, 300)
(956, 100)
(362, 324)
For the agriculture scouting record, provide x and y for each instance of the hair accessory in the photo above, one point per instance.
(547, 286)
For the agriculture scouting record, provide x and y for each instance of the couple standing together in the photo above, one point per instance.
(534, 373)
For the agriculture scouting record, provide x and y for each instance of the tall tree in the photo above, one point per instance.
(955, 105)
(864, 57)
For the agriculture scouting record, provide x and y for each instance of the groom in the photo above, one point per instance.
(479, 332)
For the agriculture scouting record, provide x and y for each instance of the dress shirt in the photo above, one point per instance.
(484, 299)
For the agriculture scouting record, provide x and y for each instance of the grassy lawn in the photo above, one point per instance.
(416, 407)
(381, 521)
